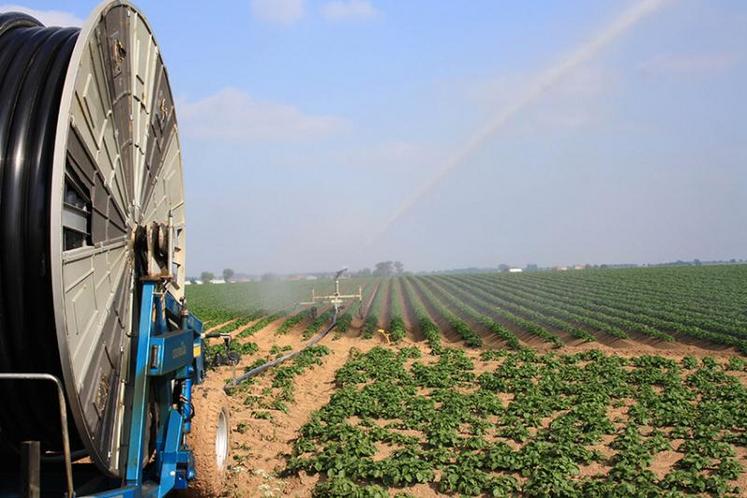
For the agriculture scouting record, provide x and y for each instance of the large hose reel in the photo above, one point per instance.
(90, 161)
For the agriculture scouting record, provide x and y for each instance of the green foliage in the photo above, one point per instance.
(284, 374)
(437, 414)
(663, 303)
(319, 322)
(371, 322)
(280, 392)
(246, 347)
(397, 329)
(737, 364)
(340, 487)
(414, 286)
(344, 321)
(292, 321)
(276, 350)
(264, 322)
(689, 362)
(528, 423)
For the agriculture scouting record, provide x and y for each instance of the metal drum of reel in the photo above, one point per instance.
(92, 226)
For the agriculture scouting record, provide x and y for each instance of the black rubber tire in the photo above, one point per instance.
(210, 406)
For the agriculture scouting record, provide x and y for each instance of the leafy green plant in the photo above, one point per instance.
(458, 424)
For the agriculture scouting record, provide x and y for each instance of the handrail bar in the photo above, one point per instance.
(63, 419)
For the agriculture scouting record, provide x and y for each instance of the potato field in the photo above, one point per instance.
(624, 382)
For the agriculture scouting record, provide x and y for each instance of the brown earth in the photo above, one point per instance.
(259, 445)
(258, 451)
(219, 326)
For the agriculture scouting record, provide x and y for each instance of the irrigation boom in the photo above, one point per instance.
(336, 299)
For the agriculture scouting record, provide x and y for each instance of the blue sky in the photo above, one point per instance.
(342, 132)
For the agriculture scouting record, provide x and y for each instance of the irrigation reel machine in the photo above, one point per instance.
(99, 356)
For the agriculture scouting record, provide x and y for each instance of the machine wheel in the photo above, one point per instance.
(210, 441)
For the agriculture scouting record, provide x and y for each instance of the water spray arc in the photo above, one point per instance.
(532, 92)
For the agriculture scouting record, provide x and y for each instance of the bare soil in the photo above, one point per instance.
(259, 445)
(386, 309)
(220, 325)
(408, 314)
(450, 336)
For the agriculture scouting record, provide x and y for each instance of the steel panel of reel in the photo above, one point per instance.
(117, 165)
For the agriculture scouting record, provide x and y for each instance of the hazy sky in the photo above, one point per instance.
(447, 134)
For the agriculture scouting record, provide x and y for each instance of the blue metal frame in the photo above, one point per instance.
(162, 356)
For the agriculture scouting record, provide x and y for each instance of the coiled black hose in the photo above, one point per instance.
(33, 64)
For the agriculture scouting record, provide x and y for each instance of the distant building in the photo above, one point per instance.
(198, 282)
(188, 282)
(579, 267)
(217, 281)
(515, 270)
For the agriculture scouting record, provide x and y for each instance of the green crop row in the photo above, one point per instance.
(471, 338)
(397, 329)
(527, 425)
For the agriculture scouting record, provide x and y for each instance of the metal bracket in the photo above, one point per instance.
(165, 360)
(162, 356)
(63, 419)
(336, 299)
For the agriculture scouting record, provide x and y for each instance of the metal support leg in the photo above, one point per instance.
(163, 357)
(136, 450)
(187, 401)
(169, 457)
(161, 325)
(63, 418)
(30, 462)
